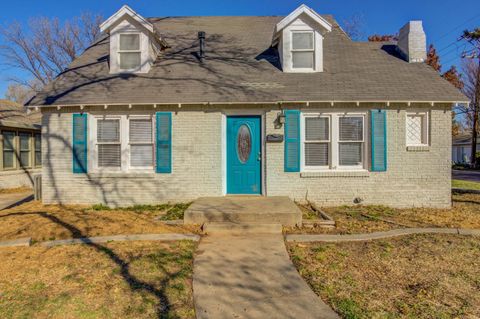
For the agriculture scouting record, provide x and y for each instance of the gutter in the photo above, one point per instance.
(273, 103)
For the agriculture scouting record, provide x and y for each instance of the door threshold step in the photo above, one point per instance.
(241, 228)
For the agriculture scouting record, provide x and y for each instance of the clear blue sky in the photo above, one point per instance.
(443, 20)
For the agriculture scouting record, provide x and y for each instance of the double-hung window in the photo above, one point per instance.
(109, 143)
(9, 150)
(333, 141)
(317, 141)
(25, 149)
(303, 50)
(123, 142)
(350, 141)
(129, 54)
(417, 129)
(141, 142)
(38, 149)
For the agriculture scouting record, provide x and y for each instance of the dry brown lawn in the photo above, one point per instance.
(465, 213)
(50, 222)
(420, 276)
(115, 280)
(22, 189)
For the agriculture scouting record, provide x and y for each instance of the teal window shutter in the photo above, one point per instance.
(292, 141)
(379, 140)
(79, 152)
(164, 142)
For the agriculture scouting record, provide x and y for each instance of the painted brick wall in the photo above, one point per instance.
(413, 178)
(196, 148)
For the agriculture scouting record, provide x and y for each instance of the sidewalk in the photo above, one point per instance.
(251, 277)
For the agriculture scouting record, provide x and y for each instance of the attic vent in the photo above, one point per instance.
(201, 39)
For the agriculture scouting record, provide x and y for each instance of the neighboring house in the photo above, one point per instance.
(462, 149)
(20, 145)
(174, 108)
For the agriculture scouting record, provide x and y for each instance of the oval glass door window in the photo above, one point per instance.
(244, 143)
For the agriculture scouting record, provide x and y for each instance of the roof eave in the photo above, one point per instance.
(125, 10)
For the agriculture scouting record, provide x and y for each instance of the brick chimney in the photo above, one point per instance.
(412, 42)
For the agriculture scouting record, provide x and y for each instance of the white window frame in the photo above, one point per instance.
(425, 126)
(334, 141)
(293, 50)
(140, 117)
(304, 141)
(124, 143)
(120, 51)
(351, 167)
(96, 143)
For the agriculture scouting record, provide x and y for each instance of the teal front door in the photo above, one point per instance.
(244, 157)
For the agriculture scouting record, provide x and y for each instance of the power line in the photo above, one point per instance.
(454, 50)
(457, 27)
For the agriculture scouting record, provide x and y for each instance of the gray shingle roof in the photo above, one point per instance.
(241, 67)
(14, 115)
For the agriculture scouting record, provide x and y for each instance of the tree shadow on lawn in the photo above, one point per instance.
(134, 283)
(466, 201)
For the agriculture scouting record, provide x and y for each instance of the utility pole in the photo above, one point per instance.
(473, 37)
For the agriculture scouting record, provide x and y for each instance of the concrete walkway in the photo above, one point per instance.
(466, 175)
(380, 235)
(251, 277)
(9, 200)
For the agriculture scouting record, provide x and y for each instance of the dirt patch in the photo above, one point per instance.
(465, 213)
(419, 276)
(50, 222)
(116, 280)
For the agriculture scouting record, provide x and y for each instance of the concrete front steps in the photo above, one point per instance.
(240, 229)
(244, 210)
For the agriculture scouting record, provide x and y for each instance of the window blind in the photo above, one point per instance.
(350, 154)
(141, 155)
(317, 129)
(108, 140)
(109, 155)
(108, 131)
(141, 143)
(316, 154)
(351, 128)
(140, 130)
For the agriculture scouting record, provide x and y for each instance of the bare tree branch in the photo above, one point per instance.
(48, 46)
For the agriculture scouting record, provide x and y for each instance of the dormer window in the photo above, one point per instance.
(134, 45)
(129, 53)
(299, 39)
(303, 50)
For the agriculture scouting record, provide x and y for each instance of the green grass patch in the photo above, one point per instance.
(456, 183)
(99, 207)
(172, 211)
(176, 211)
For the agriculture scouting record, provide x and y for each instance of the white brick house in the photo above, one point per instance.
(171, 109)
